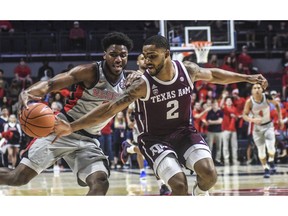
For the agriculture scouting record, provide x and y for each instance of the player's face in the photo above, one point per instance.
(141, 62)
(154, 59)
(116, 57)
(257, 89)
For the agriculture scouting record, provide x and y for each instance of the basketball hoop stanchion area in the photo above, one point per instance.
(201, 50)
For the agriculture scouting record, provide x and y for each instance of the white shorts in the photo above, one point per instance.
(83, 155)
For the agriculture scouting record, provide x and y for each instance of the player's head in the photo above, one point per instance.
(116, 47)
(156, 51)
(141, 63)
(256, 89)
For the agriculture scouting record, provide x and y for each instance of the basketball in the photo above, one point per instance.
(37, 121)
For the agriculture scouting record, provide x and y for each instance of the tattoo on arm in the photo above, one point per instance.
(50, 83)
(129, 96)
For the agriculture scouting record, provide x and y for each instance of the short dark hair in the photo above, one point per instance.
(2, 71)
(159, 42)
(117, 38)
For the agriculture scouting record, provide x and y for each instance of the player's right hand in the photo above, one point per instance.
(257, 121)
(61, 128)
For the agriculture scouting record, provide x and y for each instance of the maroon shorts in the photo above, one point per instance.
(178, 142)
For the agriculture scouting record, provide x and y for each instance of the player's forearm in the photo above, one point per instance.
(38, 89)
(92, 118)
(278, 108)
(215, 122)
(220, 76)
(247, 118)
(100, 114)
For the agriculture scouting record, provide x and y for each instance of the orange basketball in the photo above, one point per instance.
(38, 120)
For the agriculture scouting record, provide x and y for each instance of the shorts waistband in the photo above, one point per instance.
(266, 123)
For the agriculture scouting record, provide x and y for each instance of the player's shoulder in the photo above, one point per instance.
(249, 101)
(189, 64)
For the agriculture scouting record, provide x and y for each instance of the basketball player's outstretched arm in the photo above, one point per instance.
(219, 76)
(81, 73)
(102, 112)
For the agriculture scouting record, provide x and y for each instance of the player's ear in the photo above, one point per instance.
(167, 53)
(104, 56)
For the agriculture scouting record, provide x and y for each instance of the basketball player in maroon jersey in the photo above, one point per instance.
(162, 97)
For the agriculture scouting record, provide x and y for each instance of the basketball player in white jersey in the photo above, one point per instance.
(162, 97)
(263, 131)
(96, 83)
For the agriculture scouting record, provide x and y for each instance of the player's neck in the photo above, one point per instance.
(258, 98)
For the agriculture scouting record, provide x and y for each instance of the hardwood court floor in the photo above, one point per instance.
(232, 181)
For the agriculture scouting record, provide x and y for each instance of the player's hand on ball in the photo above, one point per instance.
(61, 128)
(24, 98)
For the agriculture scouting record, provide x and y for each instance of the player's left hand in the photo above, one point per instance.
(131, 77)
(259, 79)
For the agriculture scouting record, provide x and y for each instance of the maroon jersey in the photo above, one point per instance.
(167, 104)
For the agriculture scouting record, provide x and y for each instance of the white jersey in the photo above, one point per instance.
(85, 99)
(261, 109)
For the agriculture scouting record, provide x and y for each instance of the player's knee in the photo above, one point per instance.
(206, 170)
(98, 183)
(168, 167)
(178, 184)
(261, 155)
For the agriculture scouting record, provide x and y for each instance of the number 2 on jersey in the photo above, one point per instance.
(172, 112)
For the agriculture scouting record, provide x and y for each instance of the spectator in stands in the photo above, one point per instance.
(270, 37)
(3, 120)
(282, 36)
(198, 115)
(245, 61)
(47, 75)
(213, 62)
(6, 26)
(45, 67)
(13, 140)
(239, 102)
(251, 27)
(227, 65)
(284, 60)
(77, 37)
(13, 93)
(22, 73)
(233, 62)
(106, 143)
(219, 32)
(3, 86)
(214, 119)
(284, 83)
(229, 132)
(119, 135)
